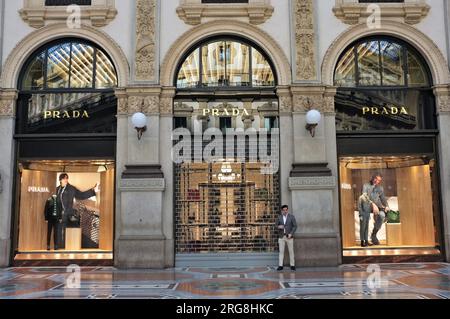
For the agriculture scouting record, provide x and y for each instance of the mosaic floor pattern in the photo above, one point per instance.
(383, 281)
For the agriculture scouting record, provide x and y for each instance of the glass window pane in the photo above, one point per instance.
(58, 66)
(105, 76)
(34, 74)
(82, 69)
(402, 188)
(189, 75)
(369, 63)
(238, 64)
(213, 60)
(262, 72)
(392, 61)
(417, 74)
(345, 74)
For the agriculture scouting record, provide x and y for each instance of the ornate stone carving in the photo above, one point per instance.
(353, 12)
(285, 104)
(304, 103)
(193, 11)
(305, 41)
(309, 183)
(134, 104)
(165, 106)
(145, 40)
(7, 102)
(442, 94)
(37, 14)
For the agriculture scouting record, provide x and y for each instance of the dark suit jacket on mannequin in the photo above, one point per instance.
(68, 194)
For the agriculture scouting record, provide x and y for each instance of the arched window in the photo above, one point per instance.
(383, 84)
(68, 65)
(67, 86)
(381, 62)
(225, 63)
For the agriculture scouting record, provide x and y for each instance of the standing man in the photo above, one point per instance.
(287, 225)
(379, 204)
(66, 193)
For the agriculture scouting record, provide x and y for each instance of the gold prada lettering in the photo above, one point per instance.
(385, 110)
(66, 115)
(235, 112)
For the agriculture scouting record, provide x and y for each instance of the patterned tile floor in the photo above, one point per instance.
(383, 281)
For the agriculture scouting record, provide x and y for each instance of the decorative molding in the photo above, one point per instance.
(426, 47)
(442, 94)
(309, 97)
(138, 99)
(7, 103)
(305, 41)
(312, 183)
(193, 12)
(37, 14)
(220, 27)
(142, 184)
(409, 11)
(36, 39)
(145, 64)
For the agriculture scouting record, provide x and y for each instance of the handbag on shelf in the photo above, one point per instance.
(393, 217)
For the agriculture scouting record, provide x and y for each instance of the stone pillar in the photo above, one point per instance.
(442, 93)
(8, 99)
(313, 180)
(140, 238)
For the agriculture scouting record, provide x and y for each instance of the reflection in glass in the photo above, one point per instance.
(105, 73)
(82, 68)
(345, 74)
(213, 62)
(189, 75)
(417, 75)
(238, 66)
(34, 74)
(369, 63)
(262, 72)
(58, 67)
(392, 62)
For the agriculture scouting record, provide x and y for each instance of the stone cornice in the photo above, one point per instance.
(410, 11)
(193, 11)
(37, 14)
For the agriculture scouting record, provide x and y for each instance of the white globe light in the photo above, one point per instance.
(139, 120)
(313, 117)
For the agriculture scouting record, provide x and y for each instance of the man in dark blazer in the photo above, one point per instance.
(66, 193)
(287, 225)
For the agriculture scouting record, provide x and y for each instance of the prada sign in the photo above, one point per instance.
(235, 112)
(385, 110)
(66, 115)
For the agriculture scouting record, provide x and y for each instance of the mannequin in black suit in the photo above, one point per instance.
(66, 193)
(53, 215)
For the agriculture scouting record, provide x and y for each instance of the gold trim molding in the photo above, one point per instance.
(193, 12)
(37, 14)
(409, 11)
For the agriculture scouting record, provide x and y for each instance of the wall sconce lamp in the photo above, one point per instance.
(139, 121)
(313, 118)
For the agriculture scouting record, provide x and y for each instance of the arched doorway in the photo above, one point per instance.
(65, 123)
(226, 175)
(386, 136)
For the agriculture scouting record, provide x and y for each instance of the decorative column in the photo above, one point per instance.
(313, 179)
(305, 41)
(442, 93)
(8, 99)
(145, 63)
(140, 237)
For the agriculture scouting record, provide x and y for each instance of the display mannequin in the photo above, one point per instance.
(53, 216)
(66, 194)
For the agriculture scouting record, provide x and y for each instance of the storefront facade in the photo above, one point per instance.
(185, 193)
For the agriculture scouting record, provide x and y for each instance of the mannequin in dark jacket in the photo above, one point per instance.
(66, 193)
(53, 215)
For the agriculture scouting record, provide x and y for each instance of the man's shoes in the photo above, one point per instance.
(280, 268)
(48, 247)
(364, 243)
(293, 268)
(375, 240)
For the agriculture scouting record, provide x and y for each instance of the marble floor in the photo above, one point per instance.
(382, 281)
